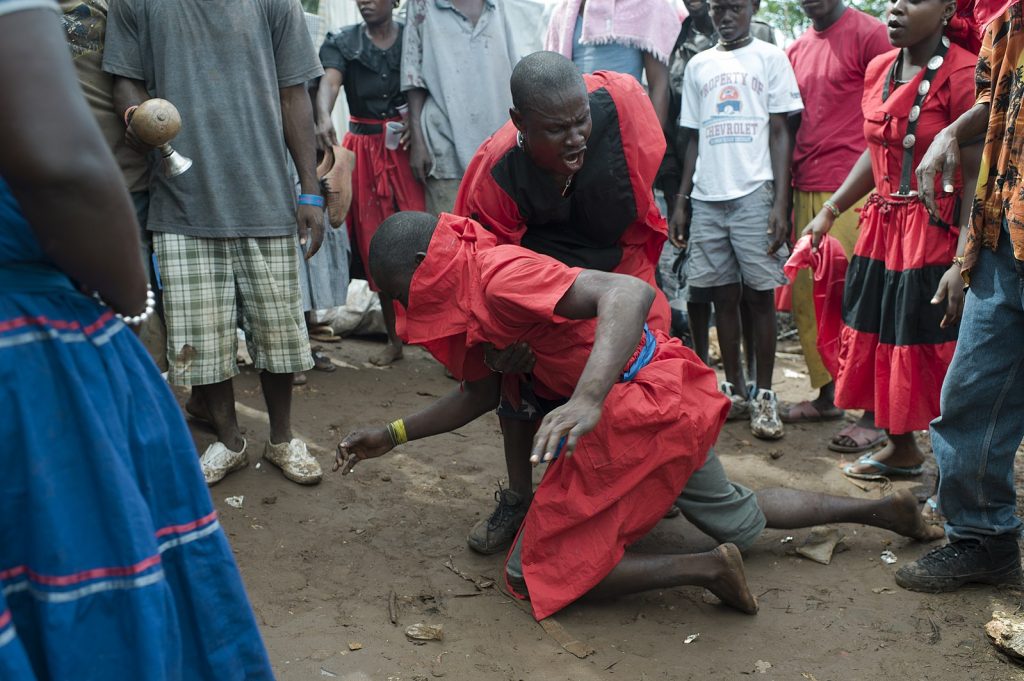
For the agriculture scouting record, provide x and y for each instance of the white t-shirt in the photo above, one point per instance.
(728, 96)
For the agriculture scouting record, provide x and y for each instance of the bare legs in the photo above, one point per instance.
(761, 306)
(790, 508)
(277, 393)
(720, 571)
(745, 319)
(518, 436)
(216, 404)
(392, 352)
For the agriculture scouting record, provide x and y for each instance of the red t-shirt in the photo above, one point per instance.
(830, 67)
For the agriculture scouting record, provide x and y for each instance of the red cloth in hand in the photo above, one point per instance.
(828, 268)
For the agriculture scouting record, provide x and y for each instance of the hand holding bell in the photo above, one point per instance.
(156, 122)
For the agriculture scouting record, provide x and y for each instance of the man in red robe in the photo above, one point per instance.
(639, 413)
(571, 176)
(633, 434)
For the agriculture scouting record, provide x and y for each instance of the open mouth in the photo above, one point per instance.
(894, 25)
(574, 161)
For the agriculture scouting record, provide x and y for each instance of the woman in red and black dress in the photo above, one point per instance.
(366, 59)
(903, 295)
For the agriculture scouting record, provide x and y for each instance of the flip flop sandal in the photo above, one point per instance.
(806, 412)
(323, 334)
(884, 470)
(861, 446)
(321, 362)
(931, 514)
(300, 378)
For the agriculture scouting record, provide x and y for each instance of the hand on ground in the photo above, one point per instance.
(361, 445)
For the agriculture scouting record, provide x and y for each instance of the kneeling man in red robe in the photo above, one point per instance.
(641, 415)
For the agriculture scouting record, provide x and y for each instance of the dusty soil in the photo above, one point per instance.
(320, 563)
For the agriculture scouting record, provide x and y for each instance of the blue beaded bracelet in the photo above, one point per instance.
(311, 200)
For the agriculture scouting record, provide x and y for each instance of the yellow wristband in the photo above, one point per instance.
(398, 428)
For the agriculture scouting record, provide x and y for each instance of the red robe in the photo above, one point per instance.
(624, 153)
(828, 270)
(382, 184)
(654, 432)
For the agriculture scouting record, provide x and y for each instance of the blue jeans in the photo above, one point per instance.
(982, 422)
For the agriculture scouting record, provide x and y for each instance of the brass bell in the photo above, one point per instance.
(156, 122)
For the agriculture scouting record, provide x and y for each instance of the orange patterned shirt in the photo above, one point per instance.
(1000, 84)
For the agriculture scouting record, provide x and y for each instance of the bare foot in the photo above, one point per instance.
(907, 519)
(389, 355)
(730, 586)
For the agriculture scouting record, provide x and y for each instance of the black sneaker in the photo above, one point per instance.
(991, 561)
(495, 534)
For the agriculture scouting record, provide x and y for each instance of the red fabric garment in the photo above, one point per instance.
(972, 17)
(382, 184)
(885, 123)
(481, 197)
(829, 67)
(828, 267)
(893, 353)
(654, 432)
(899, 380)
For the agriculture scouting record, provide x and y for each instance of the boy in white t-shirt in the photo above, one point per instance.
(733, 212)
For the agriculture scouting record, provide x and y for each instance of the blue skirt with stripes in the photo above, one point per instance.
(112, 562)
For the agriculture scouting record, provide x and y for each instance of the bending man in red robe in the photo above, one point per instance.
(639, 413)
(571, 176)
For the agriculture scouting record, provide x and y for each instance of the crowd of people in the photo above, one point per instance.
(551, 226)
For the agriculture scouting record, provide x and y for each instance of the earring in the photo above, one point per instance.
(945, 22)
(520, 142)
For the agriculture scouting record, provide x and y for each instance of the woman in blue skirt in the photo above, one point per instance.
(112, 562)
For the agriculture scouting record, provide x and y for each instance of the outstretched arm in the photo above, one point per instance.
(454, 410)
(75, 202)
(621, 304)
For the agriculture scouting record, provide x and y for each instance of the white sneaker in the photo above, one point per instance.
(740, 408)
(295, 461)
(217, 461)
(764, 416)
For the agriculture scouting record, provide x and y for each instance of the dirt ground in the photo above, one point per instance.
(321, 563)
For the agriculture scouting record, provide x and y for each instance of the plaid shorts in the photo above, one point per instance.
(211, 286)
